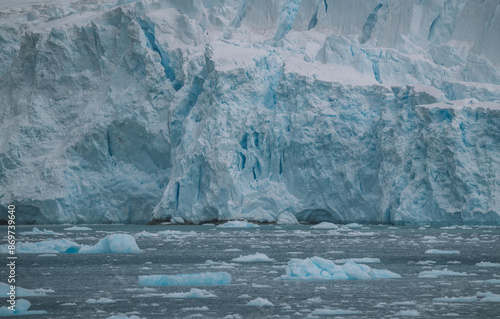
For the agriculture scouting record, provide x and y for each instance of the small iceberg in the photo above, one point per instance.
(21, 309)
(442, 252)
(116, 243)
(325, 225)
(77, 228)
(317, 269)
(334, 312)
(37, 231)
(436, 273)
(201, 279)
(257, 257)
(260, 302)
(22, 292)
(193, 293)
(238, 224)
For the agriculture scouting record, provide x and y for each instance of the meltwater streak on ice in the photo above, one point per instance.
(368, 111)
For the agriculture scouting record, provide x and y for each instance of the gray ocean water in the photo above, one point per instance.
(76, 278)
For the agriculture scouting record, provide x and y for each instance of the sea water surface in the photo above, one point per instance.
(72, 281)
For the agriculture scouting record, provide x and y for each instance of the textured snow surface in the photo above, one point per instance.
(317, 268)
(339, 111)
(203, 279)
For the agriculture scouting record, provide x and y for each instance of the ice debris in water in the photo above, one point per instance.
(287, 218)
(407, 313)
(21, 309)
(201, 279)
(334, 312)
(325, 225)
(488, 264)
(259, 302)
(317, 268)
(445, 272)
(120, 316)
(75, 228)
(116, 243)
(22, 292)
(238, 224)
(37, 231)
(479, 297)
(100, 301)
(442, 252)
(257, 257)
(193, 293)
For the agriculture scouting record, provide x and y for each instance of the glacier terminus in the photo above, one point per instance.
(376, 111)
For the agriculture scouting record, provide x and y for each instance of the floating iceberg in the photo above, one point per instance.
(442, 252)
(287, 218)
(488, 264)
(51, 246)
(193, 293)
(325, 225)
(364, 260)
(436, 273)
(334, 312)
(123, 317)
(101, 300)
(259, 302)
(116, 243)
(257, 257)
(407, 313)
(22, 292)
(238, 224)
(317, 269)
(37, 231)
(22, 306)
(479, 297)
(77, 228)
(201, 279)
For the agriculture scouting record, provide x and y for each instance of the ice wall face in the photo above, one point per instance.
(379, 111)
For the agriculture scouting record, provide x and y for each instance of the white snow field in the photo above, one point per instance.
(374, 111)
(202, 279)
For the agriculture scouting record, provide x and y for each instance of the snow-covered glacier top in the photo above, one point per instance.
(341, 111)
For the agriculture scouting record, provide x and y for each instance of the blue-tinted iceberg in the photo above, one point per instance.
(21, 309)
(373, 111)
(318, 269)
(201, 279)
(116, 243)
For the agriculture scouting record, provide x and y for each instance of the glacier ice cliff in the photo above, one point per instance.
(377, 111)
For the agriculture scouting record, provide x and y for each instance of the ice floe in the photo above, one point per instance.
(201, 279)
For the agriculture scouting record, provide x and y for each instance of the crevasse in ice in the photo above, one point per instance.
(340, 111)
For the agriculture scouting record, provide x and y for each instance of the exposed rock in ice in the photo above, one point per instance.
(238, 224)
(442, 252)
(201, 279)
(317, 269)
(287, 218)
(115, 243)
(259, 302)
(257, 257)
